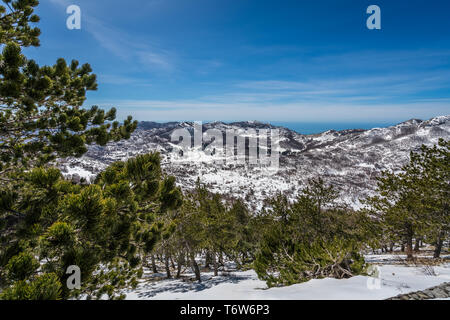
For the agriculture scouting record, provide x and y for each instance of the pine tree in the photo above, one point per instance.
(41, 114)
(245, 234)
(414, 203)
(190, 232)
(209, 226)
(106, 228)
(434, 165)
(313, 237)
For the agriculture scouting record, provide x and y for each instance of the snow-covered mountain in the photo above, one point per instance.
(349, 159)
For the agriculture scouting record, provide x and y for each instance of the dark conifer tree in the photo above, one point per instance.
(48, 223)
(414, 203)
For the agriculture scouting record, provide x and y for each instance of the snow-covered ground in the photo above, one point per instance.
(350, 160)
(392, 279)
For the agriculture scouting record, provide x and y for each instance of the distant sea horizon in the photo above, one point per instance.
(314, 128)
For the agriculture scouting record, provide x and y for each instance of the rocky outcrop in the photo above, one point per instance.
(439, 292)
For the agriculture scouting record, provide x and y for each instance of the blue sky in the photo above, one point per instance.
(293, 61)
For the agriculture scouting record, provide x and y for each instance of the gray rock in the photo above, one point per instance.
(414, 296)
(439, 293)
(429, 293)
(422, 296)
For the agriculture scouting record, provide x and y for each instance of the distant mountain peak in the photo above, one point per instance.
(349, 159)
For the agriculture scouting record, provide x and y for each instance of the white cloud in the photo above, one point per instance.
(174, 110)
(326, 86)
(124, 45)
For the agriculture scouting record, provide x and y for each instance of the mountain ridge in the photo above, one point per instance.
(350, 159)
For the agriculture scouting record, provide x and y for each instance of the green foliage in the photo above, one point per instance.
(283, 262)
(286, 243)
(16, 19)
(40, 112)
(245, 230)
(40, 106)
(42, 215)
(22, 266)
(20, 290)
(310, 238)
(105, 228)
(133, 210)
(44, 287)
(415, 202)
(208, 225)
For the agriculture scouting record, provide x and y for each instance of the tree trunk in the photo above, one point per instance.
(216, 265)
(180, 262)
(208, 259)
(409, 244)
(155, 270)
(172, 263)
(417, 245)
(166, 264)
(194, 266)
(391, 248)
(439, 243)
(403, 247)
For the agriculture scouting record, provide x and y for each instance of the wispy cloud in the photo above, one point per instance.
(380, 87)
(392, 97)
(229, 110)
(126, 46)
(272, 83)
(122, 80)
(60, 2)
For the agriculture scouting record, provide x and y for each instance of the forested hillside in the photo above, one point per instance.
(134, 216)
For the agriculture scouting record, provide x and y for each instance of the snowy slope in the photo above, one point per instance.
(393, 280)
(350, 159)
